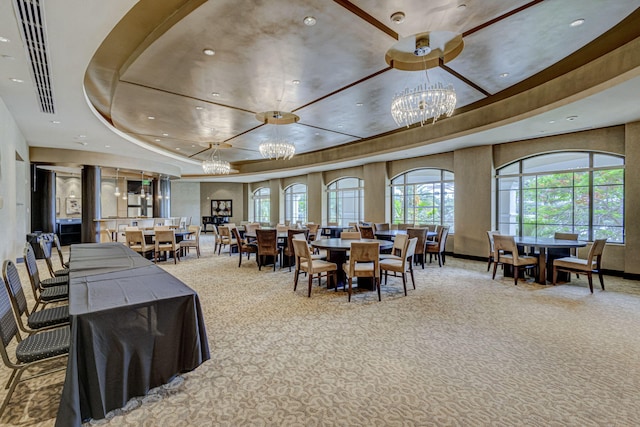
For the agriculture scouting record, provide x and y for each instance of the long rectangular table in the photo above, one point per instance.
(133, 327)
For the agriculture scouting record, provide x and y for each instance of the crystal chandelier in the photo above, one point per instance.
(214, 165)
(277, 147)
(427, 101)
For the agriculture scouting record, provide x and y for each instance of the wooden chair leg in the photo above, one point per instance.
(350, 282)
(516, 273)
(495, 267)
(376, 281)
(404, 283)
(295, 280)
(413, 279)
(590, 279)
(555, 275)
(310, 283)
(601, 279)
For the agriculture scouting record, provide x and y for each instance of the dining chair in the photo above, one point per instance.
(437, 246)
(267, 241)
(193, 240)
(289, 251)
(304, 261)
(404, 226)
(351, 235)
(216, 238)
(244, 246)
(403, 265)
(363, 262)
(505, 251)
(165, 241)
(33, 350)
(251, 227)
(47, 318)
(366, 231)
(490, 235)
(588, 266)
(56, 241)
(282, 228)
(381, 226)
(136, 242)
(225, 238)
(421, 235)
(46, 251)
(44, 291)
(161, 228)
(313, 231)
(399, 244)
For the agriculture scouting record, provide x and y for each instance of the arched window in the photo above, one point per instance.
(345, 198)
(262, 205)
(423, 196)
(573, 192)
(295, 203)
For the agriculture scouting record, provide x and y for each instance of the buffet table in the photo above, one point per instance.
(133, 327)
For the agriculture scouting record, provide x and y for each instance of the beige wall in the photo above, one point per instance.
(15, 194)
(632, 200)
(236, 192)
(376, 193)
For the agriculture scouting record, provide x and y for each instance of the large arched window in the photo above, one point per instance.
(262, 205)
(345, 201)
(573, 192)
(295, 203)
(423, 196)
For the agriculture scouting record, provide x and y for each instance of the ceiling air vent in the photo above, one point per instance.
(31, 15)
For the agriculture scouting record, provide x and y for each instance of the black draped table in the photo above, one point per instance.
(133, 327)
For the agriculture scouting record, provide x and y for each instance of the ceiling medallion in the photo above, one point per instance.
(277, 147)
(214, 165)
(425, 101)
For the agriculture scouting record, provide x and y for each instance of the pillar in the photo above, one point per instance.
(90, 204)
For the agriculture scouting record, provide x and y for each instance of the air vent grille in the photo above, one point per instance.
(31, 16)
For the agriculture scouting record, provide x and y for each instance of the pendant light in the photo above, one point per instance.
(117, 192)
(142, 195)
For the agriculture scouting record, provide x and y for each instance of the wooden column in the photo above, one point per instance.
(43, 200)
(90, 204)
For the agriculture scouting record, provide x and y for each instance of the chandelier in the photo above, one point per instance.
(214, 165)
(426, 101)
(277, 147)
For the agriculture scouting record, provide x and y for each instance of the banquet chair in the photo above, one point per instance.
(136, 242)
(490, 235)
(505, 251)
(305, 261)
(216, 238)
(381, 226)
(165, 241)
(399, 244)
(35, 320)
(366, 231)
(46, 251)
(403, 265)
(244, 246)
(421, 235)
(437, 247)
(56, 242)
(44, 291)
(363, 262)
(225, 238)
(588, 266)
(35, 349)
(267, 246)
(193, 241)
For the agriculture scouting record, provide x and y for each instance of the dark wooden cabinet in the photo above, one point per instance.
(69, 231)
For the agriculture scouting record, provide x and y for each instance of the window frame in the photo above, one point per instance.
(289, 200)
(339, 193)
(261, 195)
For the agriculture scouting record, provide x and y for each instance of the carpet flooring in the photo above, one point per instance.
(460, 350)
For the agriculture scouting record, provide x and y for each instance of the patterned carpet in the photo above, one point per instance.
(460, 350)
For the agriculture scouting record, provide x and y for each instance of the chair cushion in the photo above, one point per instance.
(54, 281)
(55, 293)
(360, 269)
(61, 272)
(574, 263)
(322, 266)
(389, 256)
(43, 345)
(391, 264)
(49, 317)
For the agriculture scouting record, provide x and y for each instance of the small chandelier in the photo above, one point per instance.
(277, 147)
(214, 165)
(427, 101)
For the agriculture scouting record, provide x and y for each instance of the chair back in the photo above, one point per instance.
(32, 269)
(131, 228)
(134, 238)
(442, 237)
(399, 244)
(409, 253)
(56, 241)
(46, 251)
(225, 232)
(366, 231)
(239, 239)
(503, 244)
(195, 232)
(251, 227)
(365, 252)
(282, 228)
(490, 235)
(267, 242)
(381, 226)
(421, 235)
(567, 236)
(404, 226)
(596, 252)
(230, 225)
(313, 230)
(14, 288)
(165, 237)
(8, 325)
(161, 228)
(301, 250)
(350, 235)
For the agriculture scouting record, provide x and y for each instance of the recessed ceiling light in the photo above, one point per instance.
(209, 52)
(199, 108)
(193, 145)
(462, 6)
(577, 22)
(165, 134)
(216, 94)
(55, 122)
(295, 82)
(83, 143)
(157, 140)
(317, 133)
(309, 21)
(178, 148)
(151, 117)
(503, 75)
(340, 126)
(397, 17)
(7, 57)
(572, 118)
(552, 121)
(359, 104)
(107, 146)
(13, 79)
(82, 136)
(4, 39)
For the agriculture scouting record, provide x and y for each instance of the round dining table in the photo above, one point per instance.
(543, 244)
(391, 234)
(337, 252)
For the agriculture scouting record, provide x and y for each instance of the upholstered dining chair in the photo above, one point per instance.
(289, 251)
(404, 226)
(304, 261)
(381, 226)
(313, 231)
(226, 239)
(366, 231)
(136, 242)
(44, 291)
(421, 235)
(30, 321)
(490, 235)
(363, 262)
(505, 251)
(193, 240)
(404, 265)
(399, 244)
(34, 350)
(588, 266)
(165, 241)
(351, 235)
(267, 241)
(56, 241)
(46, 251)
(244, 246)
(216, 238)
(437, 247)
